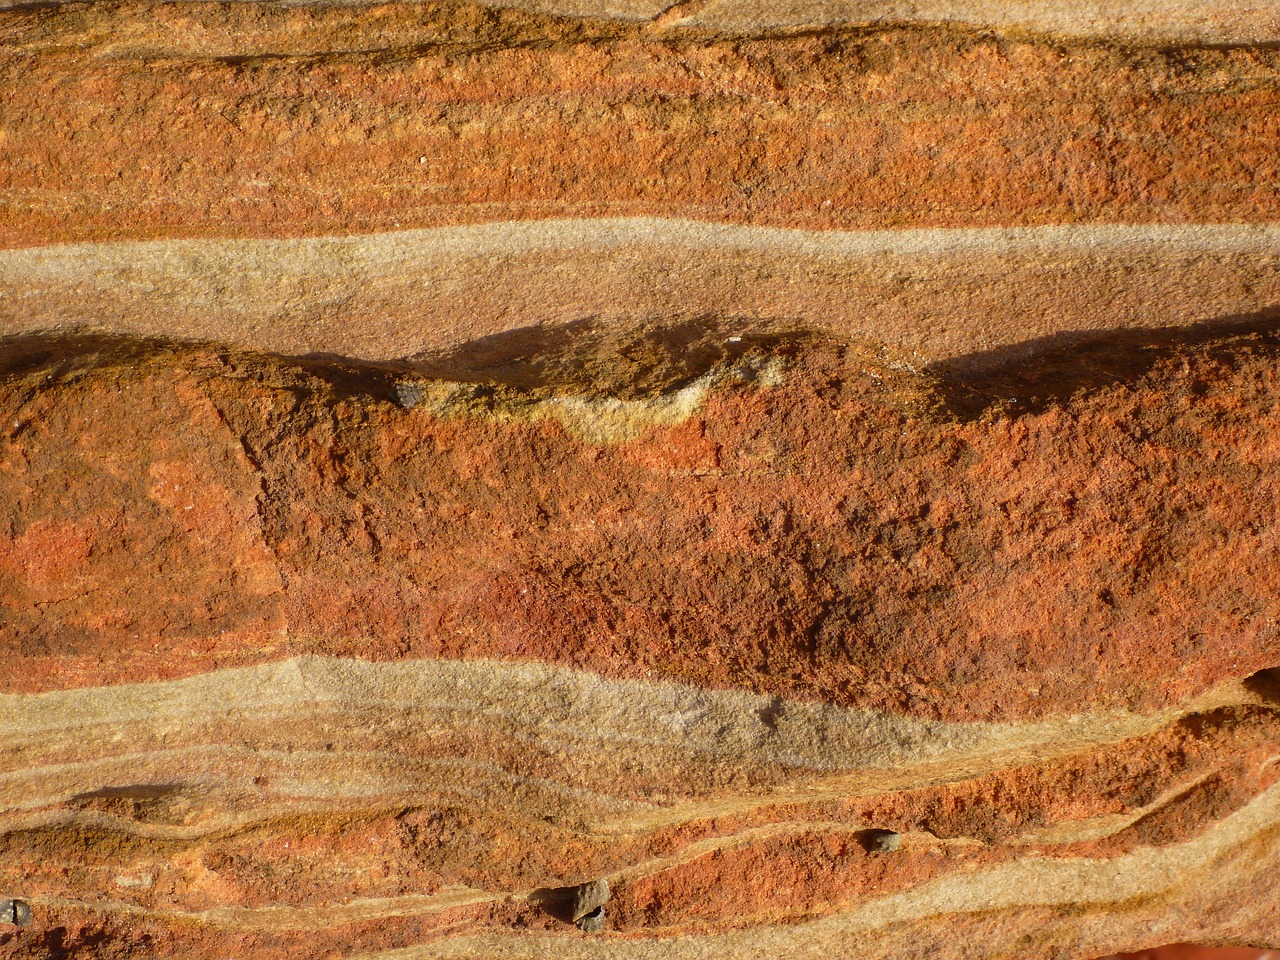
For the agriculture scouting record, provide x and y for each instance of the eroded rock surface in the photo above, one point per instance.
(293, 660)
(806, 472)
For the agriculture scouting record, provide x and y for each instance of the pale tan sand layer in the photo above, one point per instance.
(1157, 21)
(332, 737)
(634, 755)
(939, 292)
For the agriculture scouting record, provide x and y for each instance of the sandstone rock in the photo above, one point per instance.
(881, 841)
(813, 468)
(588, 905)
(15, 912)
(370, 698)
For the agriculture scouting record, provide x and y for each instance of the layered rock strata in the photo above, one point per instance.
(809, 470)
(1150, 170)
(308, 667)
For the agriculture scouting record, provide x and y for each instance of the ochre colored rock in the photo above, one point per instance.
(806, 474)
(191, 119)
(809, 520)
(767, 564)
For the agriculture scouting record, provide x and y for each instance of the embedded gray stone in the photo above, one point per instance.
(593, 922)
(589, 898)
(408, 394)
(17, 912)
(881, 841)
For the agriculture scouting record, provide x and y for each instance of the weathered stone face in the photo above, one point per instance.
(719, 480)
(809, 520)
(703, 648)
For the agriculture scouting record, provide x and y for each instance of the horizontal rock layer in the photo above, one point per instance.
(811, 466)
(188, 119)
(979, 296)
(1166, 21)
(810, 519)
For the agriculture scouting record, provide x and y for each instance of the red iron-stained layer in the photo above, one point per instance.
(856, 533)
(176, 120)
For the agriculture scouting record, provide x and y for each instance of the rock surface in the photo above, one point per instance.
(289, 661)
(810, 471)
(507, 168)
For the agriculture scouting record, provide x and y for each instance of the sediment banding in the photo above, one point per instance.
(813, 465)
(940, 293)
(566, 706)
(788, 750)
(1173, 877)
(317, 121)
(170, 801)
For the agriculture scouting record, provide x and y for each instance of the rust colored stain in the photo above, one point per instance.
(858, 533)
(190, 123)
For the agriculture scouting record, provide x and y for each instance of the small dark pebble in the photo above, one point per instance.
(17, 912)
(589, 898)
(408, 394)
(880, 841)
